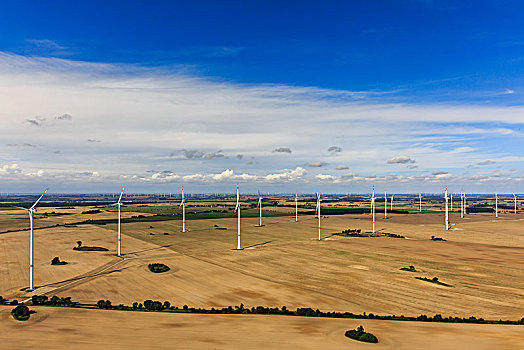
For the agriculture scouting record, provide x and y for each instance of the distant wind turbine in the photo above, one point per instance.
(451, 201)
(496, 205)
(385, 205)
(373, 207)
(183, 205)
(318, 213)
(447, 215)
(237, 210)
(119, 204)
(461, 204)
(515, 201)
(31, 211)
(391, 202)
(296, 207)
(260, 209)
(419, 203)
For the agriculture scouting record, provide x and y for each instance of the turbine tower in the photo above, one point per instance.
(391, 201)
(465, 206)
(496, 205)
(318, 213)
(119, 204)
(183, 205)
(296, 207)
(451, 201)
(237, 210)
(515, 201)
(31, 211)
(419, 203)
(385, 205)
(373, 207)
(447, 215)
(461, 204)
(260, 209)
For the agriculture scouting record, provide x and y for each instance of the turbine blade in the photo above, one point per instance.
(121, 193)
(38, 200)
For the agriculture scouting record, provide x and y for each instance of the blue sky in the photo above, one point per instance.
(439, 82)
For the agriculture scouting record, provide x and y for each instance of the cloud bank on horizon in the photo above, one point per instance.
(93, 126)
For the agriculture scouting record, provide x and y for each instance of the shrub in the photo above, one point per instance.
(21, 313)
(158, 267)
(360, 335)
(56, 261)
(151, 305)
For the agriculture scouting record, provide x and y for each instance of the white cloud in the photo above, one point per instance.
(143, 115)
(401, 160)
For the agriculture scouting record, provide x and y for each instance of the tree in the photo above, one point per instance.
(167, 304)
(79, 244)
(21, 313)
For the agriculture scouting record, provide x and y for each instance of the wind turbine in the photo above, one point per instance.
(391, 201)
(461, 204)
(419, 203)
(237, 210)
(296, 207)
(465, 204)
(373, 207)
(447, 215)
(496, 205)
(260, 209)
(318, 213)
(451, 200)
(31, 211)
(515, 201)
(385, 205)
(183, 205)
(119, 204)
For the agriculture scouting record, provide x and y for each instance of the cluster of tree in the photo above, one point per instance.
(411, 268)
(158, 267)
(358, 233)
(84, 248)
(56, 261)
(104, 304)
(433, 280)
(21, 313)
(360, 335)
(54, 301)
(92, 211)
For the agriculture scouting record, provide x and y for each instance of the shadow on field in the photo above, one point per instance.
(150, 249)
(257, 245)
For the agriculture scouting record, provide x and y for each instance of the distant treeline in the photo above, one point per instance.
(151, 305)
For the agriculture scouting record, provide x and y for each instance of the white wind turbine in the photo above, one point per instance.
(373, 207)
(259, 209)
(496, 205)
(318, 214)
(465, 204)
(419, 203)
(461, 204)
(447, 215)
(119, 204)
(237, 210)
(391, 202)
(183, 205)
(296, 207)
(451, 201)
(31, 211)
(385, 205)
(515, 202)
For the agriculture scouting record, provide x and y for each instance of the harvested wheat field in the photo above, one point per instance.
(84, 329)
(481, 263)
